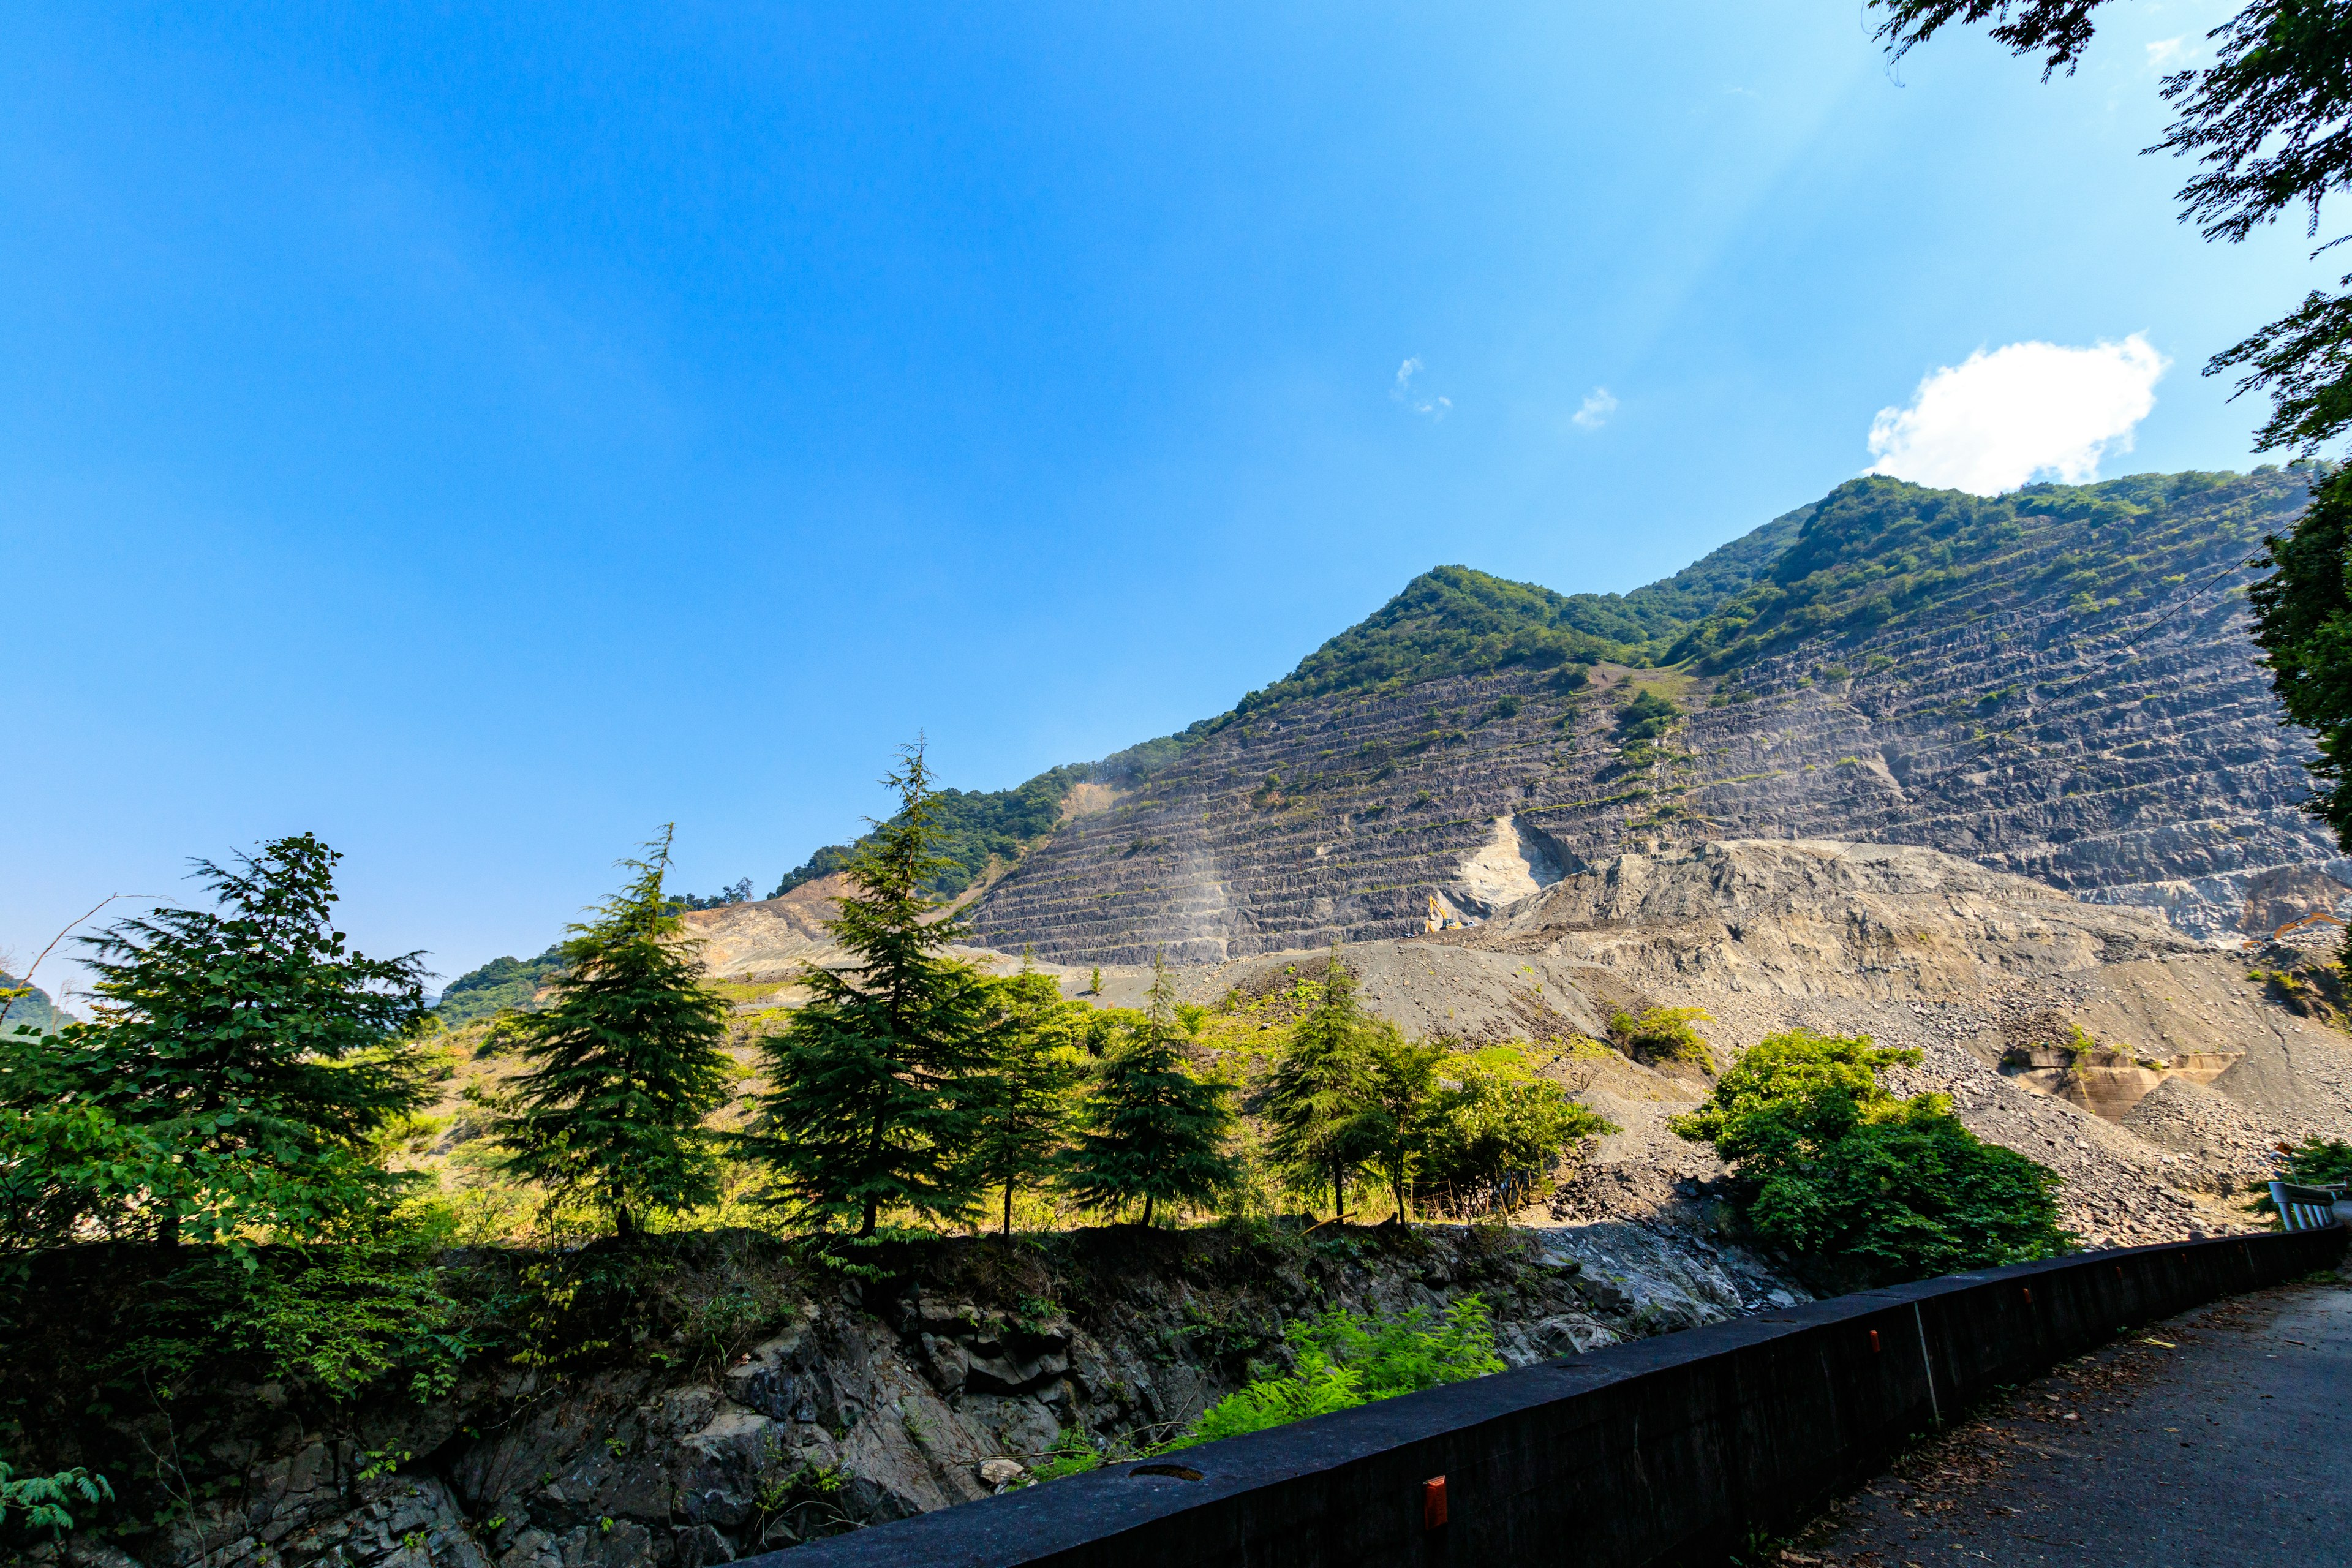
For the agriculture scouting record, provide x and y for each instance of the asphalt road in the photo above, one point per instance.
(2220, 1439)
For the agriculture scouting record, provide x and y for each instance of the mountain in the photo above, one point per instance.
(2056, 682)
(1450, 620)
(500, 984)
(33, 1010)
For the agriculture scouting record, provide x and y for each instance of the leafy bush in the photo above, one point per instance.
(40, 1502)
(371, 1310)
(1495, 1140)
(1663, 1034)
(1647, 717)
(1341, 1360)
(1865, 1188)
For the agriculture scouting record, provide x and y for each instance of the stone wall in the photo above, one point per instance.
(1672, 1451)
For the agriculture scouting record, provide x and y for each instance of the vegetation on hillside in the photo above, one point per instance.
(1879, 550)
(1863, 1188)
(28, 1006)
(969, 828)
(503, 984)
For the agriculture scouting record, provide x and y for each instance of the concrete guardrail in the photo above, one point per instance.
(1667, 1450)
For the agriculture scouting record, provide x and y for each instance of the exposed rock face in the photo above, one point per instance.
(2129, 752)
(864, 1404)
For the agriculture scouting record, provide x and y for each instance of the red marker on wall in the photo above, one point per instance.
(1432, 1502)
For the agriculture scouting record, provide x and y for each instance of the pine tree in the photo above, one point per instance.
(1400, 1103)
(1150, 1129)
(1024, 1102)
(869, 1108)
(628, 1059)
(1314, 1097)
(246, 1045)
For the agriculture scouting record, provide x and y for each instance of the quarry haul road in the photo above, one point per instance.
(2215, 1439)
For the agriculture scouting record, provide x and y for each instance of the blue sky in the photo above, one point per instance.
(480, 435)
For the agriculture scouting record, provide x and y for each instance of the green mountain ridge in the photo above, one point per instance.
(1449, 620)
(33, 1010)
(1869, 553)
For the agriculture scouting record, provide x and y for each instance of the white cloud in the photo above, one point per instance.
(2165, 52)
(1401, 391)
(2024, 412)
(1599, 404)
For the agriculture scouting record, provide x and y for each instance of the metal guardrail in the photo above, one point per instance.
(2307, 1208)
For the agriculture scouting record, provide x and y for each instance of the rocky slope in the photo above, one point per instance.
(2058, 683)
(759, 1404)
(2190, 1065)
(2198, 1069)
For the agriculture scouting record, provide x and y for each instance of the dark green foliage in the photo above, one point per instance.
(1150, 1129)
(739, 892)
(1646, 718)
(869, 1105)
(243, 1058)
(1023, 1102)
(627, 1059)
(1877, 549)
(2303, 619)
(31, 1503)
(372, 1306)
(1341, 1360)
(1865, 1188)
(1663, 1034)
(824, 863)
(1452, 620)
(30, 1008)
(2305, 358)
(1313, 1099)
(970, 828)
(1401, 1105)
(501, 984)
(1495, 1140)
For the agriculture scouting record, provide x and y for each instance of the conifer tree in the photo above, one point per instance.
(1024, 1102)
(244, 1048)
(1400, 1103)
(627, 1061)
(1150, 1129)
(1314, 1097)
(869, 1108)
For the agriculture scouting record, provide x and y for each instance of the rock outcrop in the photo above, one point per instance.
(843, 1403)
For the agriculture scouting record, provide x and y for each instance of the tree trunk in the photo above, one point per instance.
(624, 1222)
(1147, 1211)
(1008, 1210)
(167, 1233)
(872, 1213)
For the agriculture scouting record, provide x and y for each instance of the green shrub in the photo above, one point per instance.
(373, 1309)
(28, 1503)
(1341, 1360)
(1647, 717)
(1495, 1140)
(1663, 1035)
(1865, 1188)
